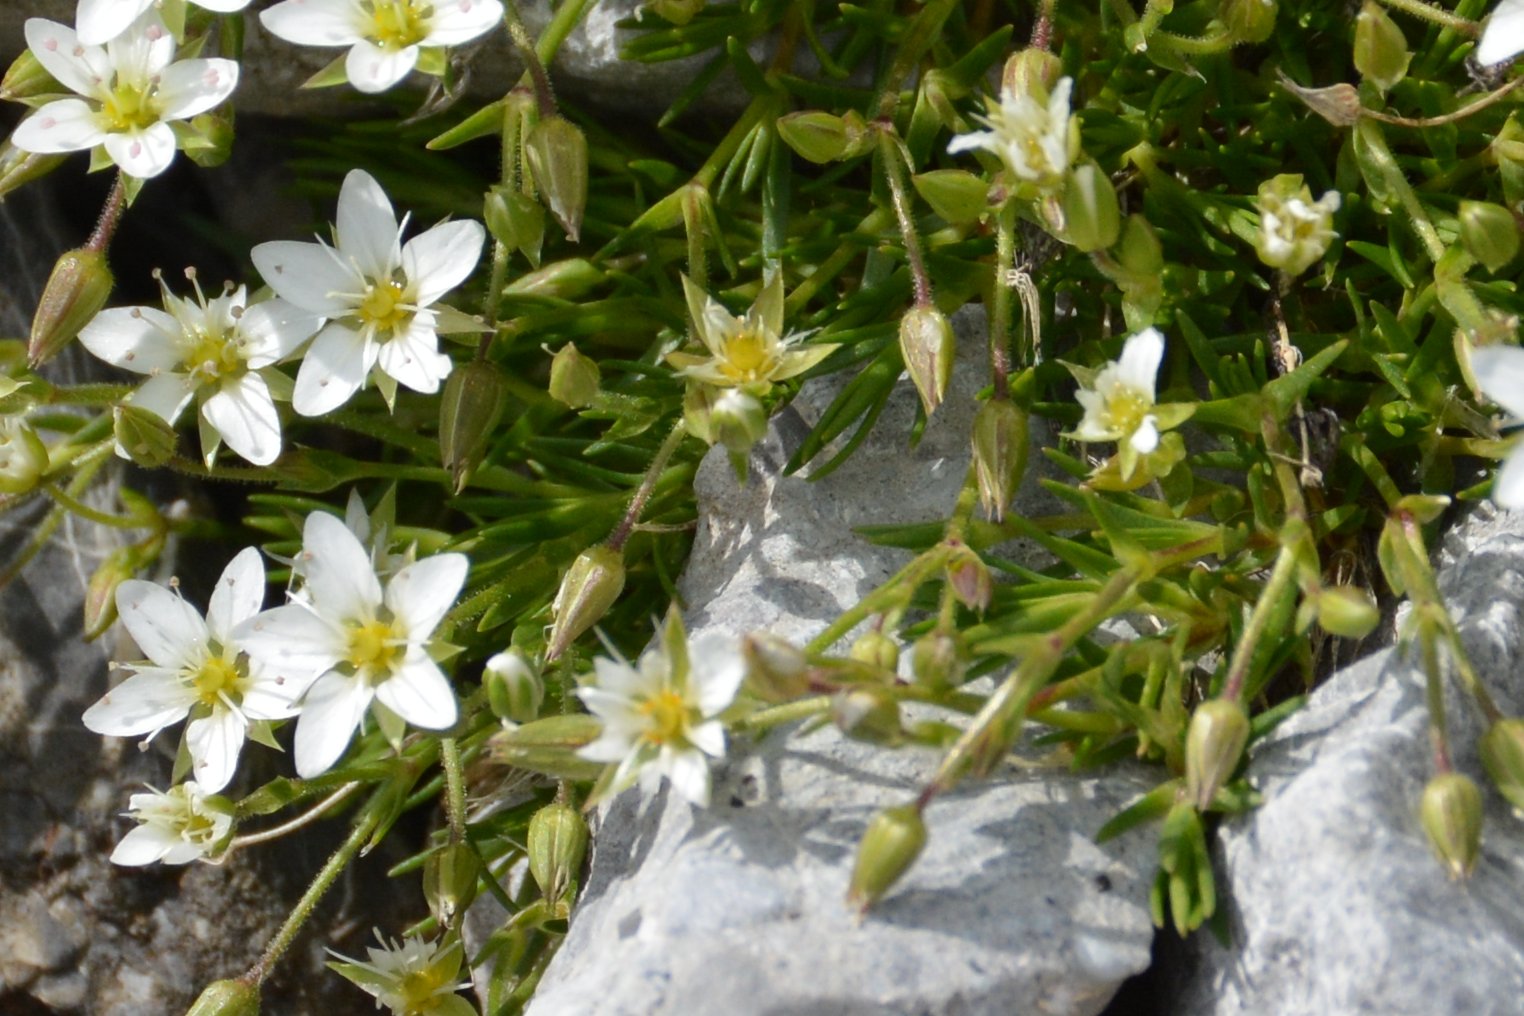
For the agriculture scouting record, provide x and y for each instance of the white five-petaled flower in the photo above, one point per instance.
(349, 642)
(220, 352)
(411, 977)
(384, 36)
(132, 89)
(749, 352)
(176, 826)
(659, 715)
(376, 291)
(1036, 142)
(1499, 373)
(1117, 403)
(195, 669)
(1294, 230)
(100, 21)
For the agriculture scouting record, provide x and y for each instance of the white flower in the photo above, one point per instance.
(1035, 142)
(100, 21)
(411, 977)
(349, 642)
(384, 35)
(195, 670)
(218, 351)
(750, 352)
(132, 90)
(176, 826)
(1117, 404)
(1294, 230)
(376, 291)
(1503, 37)
(659, 715)
(1499, 373)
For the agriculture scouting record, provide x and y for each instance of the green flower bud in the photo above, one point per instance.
(1140, 251)
(574, 378)
(738, 420)
(1092, 217)
(1033, 72)
(1489, 232)
(969, 577)
(1451, 813)
(557, 151)
(100, 592)
(894, 839)
(557, 843)
(23, 456)
(549, 746)
(588, 590)
(515, 690)
(18, 167)
(816, 136)
(1347, 612)
(1503, 757)
(1214, 743)
(938, 660)
(449, 881)
(1000, 454)
(207, 139)
(1508, 152)
(955, 194)
(876, 650)
(27, 78)
(867, 713)
(928, 346)
(679, 12)
(227, 998)
(1247, 21)
(75, 293)
(776, 670)
(561, 280)
(143, 436)
(469, 410)
(1381, 52)
(515, 220)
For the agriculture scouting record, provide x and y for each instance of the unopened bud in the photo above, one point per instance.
(776, 669)
(679, 12)
(1294, 230)
(1031, 71)
(574, 378)
(928, 346)
(1507, 150)
(969, 577)
(469, 409)
(557, 151)
(955, 194)
(100, 592)
(1214, 744)
(515, 220)
(1489, 232)
(515, 690)
(143, 436)
(1092, 217)
(867, 713)
(817, 136)
(876, 650)
(19, 167)
(27, 78)
(75, 293)
(227, 998)
(550, 746)
(1381, 52)
(938, 660)
(560, 280)
(589, 588)
(23, 456)
(894, 839)
(1140, 251)
(1247, 21)
(737, 420)
(1451, 813)
(208, 138)
(1347, 612)
(449, 881)
(557, 842)
(1503, 757)
(1000, 454)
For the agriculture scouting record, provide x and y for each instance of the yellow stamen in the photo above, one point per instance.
(398, 24)
(748, 356)
(669, 717)
(383, 307)
(216, 678)
(374, 650)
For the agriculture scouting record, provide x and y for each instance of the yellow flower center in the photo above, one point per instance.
(196, 827)
(668, 715)
(419, 991)
(374, 650)
(213, 355)
(217, 679)
(398, 24)
(1125, 409)
(129, 107)
(748, 356)
(383, 307)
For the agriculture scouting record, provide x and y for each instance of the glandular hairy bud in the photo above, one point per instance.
(574, 378)
(588, 590)
(1451, 813)
(776, 669)
(18, 167)
(938, 660)
(815, 135)
(969, 577)
(450, 881)
(23, 456)
(75, 293)
(208, 139)
(1381, 51)
(876, 650)
(1214, 743)
(679, 12)
(1489, 232)
(233, 997)
(27, 78)
(1247, 21)
(868, 713)
(515, 220)
(142, 436)
(737, 420)
(557, 151)
(1092, 216)
(100, 592)
(469, 409)
(1033, 72)
(515, 689)
(955, 194)
(1000, 454)
(1347, 612)
(1503, 757)
(557, 843)
(894, 839)
(928, 346)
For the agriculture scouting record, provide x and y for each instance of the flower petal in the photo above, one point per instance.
(142, 51)
(1138, 368)
(195, 86)
(333, 370)
(709, 738)
(689, 774)
(315, 22)
(1146, 438)
(337, 571)
(439, 259)
(1503, 38)
(64, 55)
(330, 714)
(458, 21)
(170, 631)
(366, 228)
(420, 594)
(310, 275)
(147, 702)
(223, 6)
(67, 125)
(238, 595)
(244, 414)
(214, 742)
(419, 693)
(413, 356)
(717, 670)
(1508, 485)
(140, 339)
(145, 153)
(372, 69)
(164, 395)
(273, 330)
(144, 845)
(1499, 372)
(293, 642)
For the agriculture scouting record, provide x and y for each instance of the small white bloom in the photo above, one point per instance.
(659, 715)
(1035, 142)
(1294, 230)
(176, 826)
(132, 89)
(195, 670)
(100, 21)
(350, 642)
(411, 977)
(1499, 373)
(220, 352)
(750, 352)
(384, 36)
(375, 290)
(1117, 404)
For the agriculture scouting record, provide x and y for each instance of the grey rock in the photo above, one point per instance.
(1336, 902)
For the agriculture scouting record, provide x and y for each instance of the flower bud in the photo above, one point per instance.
(1381, 52)
(142, 436)
(1503, 757)
(867, 713)
(1140, 251)
(208, 139)
(817, 136)
(1508, 151)
(1032, 71)
(100, 592)
(557, 843)
(969, 577)
(549, 746)
(469, 409)
(894, 839)
(876, 650)
(27, 78)
(18, 167)
(1000, 454)
(1247, 21)
(449, 881)
(955, 194)
(679, 12)
(1294, 230)
(928, 346)
(1214, 743)
(233, 997)
(560, 280)
(574, 378)
(776, 669)
(938, 660)
(75, 293)
(1347, 612)
(515, 220)
(1451, 813)
(557, 151)
(737, 420)
(589, 588)
(23, 456)
(1092, 217)
(515, 690)
(1489, 233)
